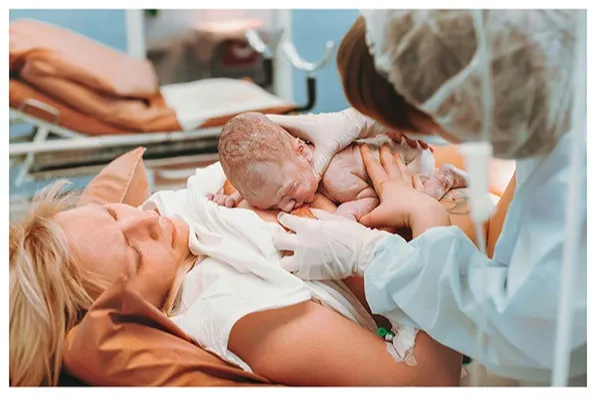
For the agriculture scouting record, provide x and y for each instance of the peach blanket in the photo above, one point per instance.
(99, 90)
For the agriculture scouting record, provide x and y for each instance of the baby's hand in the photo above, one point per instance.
(227, 200)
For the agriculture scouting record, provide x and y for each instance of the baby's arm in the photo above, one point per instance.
(364, 202)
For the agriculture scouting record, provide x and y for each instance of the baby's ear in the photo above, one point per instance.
(296, 144)
(301, 149)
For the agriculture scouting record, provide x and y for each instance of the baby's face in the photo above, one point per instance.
(292, 186)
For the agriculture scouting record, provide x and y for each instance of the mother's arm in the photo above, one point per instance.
(308, 344)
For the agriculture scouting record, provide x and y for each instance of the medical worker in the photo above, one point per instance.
(419, 71)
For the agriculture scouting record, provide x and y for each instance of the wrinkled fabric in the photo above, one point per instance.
(123, 340)
(239, 270)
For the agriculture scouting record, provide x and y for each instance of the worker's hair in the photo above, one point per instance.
(247, 142)
(365, 89)
(49, 292)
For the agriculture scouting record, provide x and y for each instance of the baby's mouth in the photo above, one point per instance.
(301, 206)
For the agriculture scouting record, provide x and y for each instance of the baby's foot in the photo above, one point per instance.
(457, 176)
(446, 178)
(348, 214)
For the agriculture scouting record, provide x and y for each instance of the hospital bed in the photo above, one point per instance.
(54, 147)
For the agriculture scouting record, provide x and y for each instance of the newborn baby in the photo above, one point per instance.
(271, 169)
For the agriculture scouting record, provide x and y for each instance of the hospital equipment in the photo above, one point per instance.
(572, 226)
(477, 158)
(289, 50)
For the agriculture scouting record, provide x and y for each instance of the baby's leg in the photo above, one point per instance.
(446, 178)
(356, 209)
(363, 203)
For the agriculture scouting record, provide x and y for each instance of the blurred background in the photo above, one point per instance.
(171, 36)
(190, 45)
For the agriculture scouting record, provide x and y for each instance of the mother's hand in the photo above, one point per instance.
(403, 201)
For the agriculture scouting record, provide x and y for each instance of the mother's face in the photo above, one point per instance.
(113, 239)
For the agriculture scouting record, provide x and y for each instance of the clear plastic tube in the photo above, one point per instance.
(477, 155)
(562, 352)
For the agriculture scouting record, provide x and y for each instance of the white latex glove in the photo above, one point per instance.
(330, 247)
(329, 132)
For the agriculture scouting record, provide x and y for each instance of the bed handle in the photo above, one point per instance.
(34, 103)
(289, 50)
(273, 39)
(268, 49)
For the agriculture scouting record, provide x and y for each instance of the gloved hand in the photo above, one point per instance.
(330, 247)
(329, 132)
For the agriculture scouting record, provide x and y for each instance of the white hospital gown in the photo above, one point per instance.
(238, 269)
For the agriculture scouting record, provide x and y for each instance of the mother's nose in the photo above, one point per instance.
(142, 223)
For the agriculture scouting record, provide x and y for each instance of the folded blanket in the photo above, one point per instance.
(21, 92)
(85, 79)
(89, 77)
(41, 48)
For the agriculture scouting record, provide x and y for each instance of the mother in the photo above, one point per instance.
(62, 258)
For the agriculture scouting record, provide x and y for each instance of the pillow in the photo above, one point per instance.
(124, 180)
(125, 341)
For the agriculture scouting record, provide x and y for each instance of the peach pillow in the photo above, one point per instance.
(124, 180)
(124, 341)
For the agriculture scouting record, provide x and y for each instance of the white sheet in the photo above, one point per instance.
(199, 101)
(241, 273)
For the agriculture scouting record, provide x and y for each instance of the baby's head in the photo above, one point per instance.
(270, 168)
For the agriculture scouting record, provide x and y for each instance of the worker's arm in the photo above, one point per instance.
(438, 281)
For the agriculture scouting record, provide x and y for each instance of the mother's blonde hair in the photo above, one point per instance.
(48, 290)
